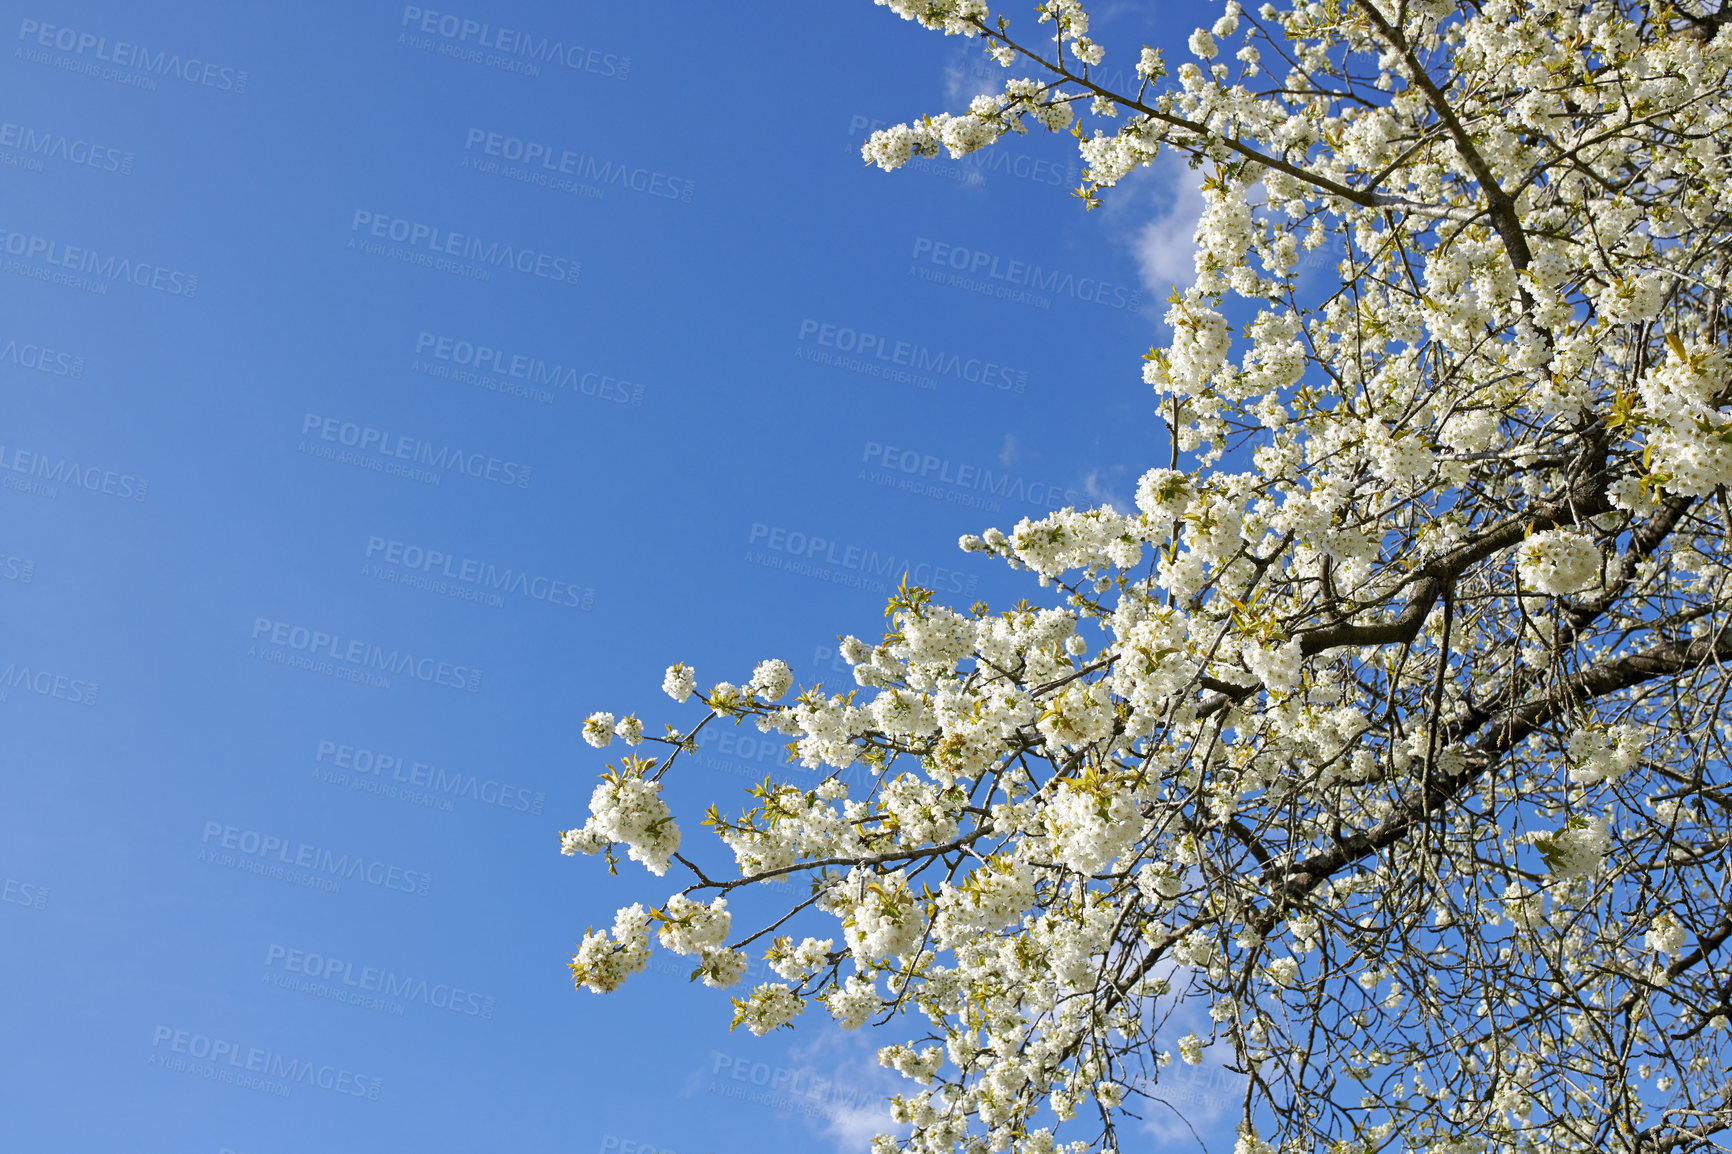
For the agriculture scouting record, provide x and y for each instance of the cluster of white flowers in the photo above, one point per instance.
(1523, 906)
(1283, 972)
(883, 919)
(1470, 430)
(854, 1002)
(1079, 716)
(988, 118)
(952, 17)
(1191, 1049)
(770, 1007)
(1090, 828)
(1276, 666)
(679, 682)
(1597, 755)
(827, 728)
(1633, 301)
(1068, 539)
(689, 927)
(1665, 935)
(1576, 850)
(626, 809)
(936, 637)
(991, 898)
(1559, 561)
(771, 679)
(1201, 339)
(919, 1065)
(1164, 495)
(603, 962)
(598, 729)
(692, 927)
(797, 963)
(721, 968)
(1397, 459)
(1691, 435)
(1194, 773)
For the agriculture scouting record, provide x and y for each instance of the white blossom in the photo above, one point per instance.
(1665, 935)
(679, 682)
(1559, 561)
(598, 729)
(1397, 692)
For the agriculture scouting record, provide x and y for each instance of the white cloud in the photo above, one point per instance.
(1011, 453)
(1189, 1103)
(969, 75)
(856, 1108)
(851, 1128)
(1198, 1104)
(1164, 245)
(1099, 484)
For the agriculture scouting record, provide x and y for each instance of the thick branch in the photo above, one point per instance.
(1504, 217)
(1664, 660)
(1587, 500)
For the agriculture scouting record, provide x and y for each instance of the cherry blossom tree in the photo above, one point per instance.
(1380, 752)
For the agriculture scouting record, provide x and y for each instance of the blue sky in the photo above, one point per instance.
(325, 329)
